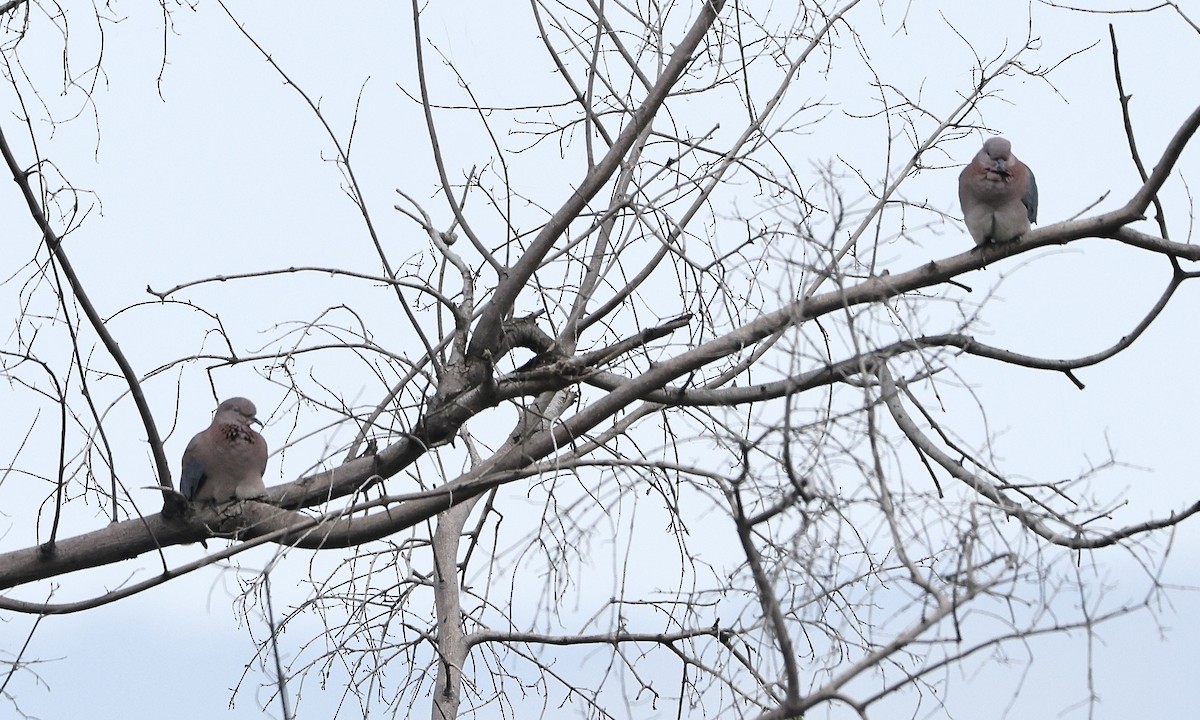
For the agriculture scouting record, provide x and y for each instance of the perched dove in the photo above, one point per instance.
(226, 461)
(998, 194)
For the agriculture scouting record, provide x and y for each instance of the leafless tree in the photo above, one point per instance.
(653, 368)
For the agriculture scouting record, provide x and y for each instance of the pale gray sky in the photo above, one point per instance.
(228, 172)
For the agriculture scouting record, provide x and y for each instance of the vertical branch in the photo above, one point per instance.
(280, 677)
(1159, 216)
(431, 128)
(766, 593)
(452, 646)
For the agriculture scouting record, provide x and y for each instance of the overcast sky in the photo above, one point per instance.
(227, 172)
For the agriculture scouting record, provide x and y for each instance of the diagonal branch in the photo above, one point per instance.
(488, 332)
(54, 244)
(1076, 540)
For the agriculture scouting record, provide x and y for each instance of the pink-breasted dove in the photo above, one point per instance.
(226, 461)
(998, 194)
